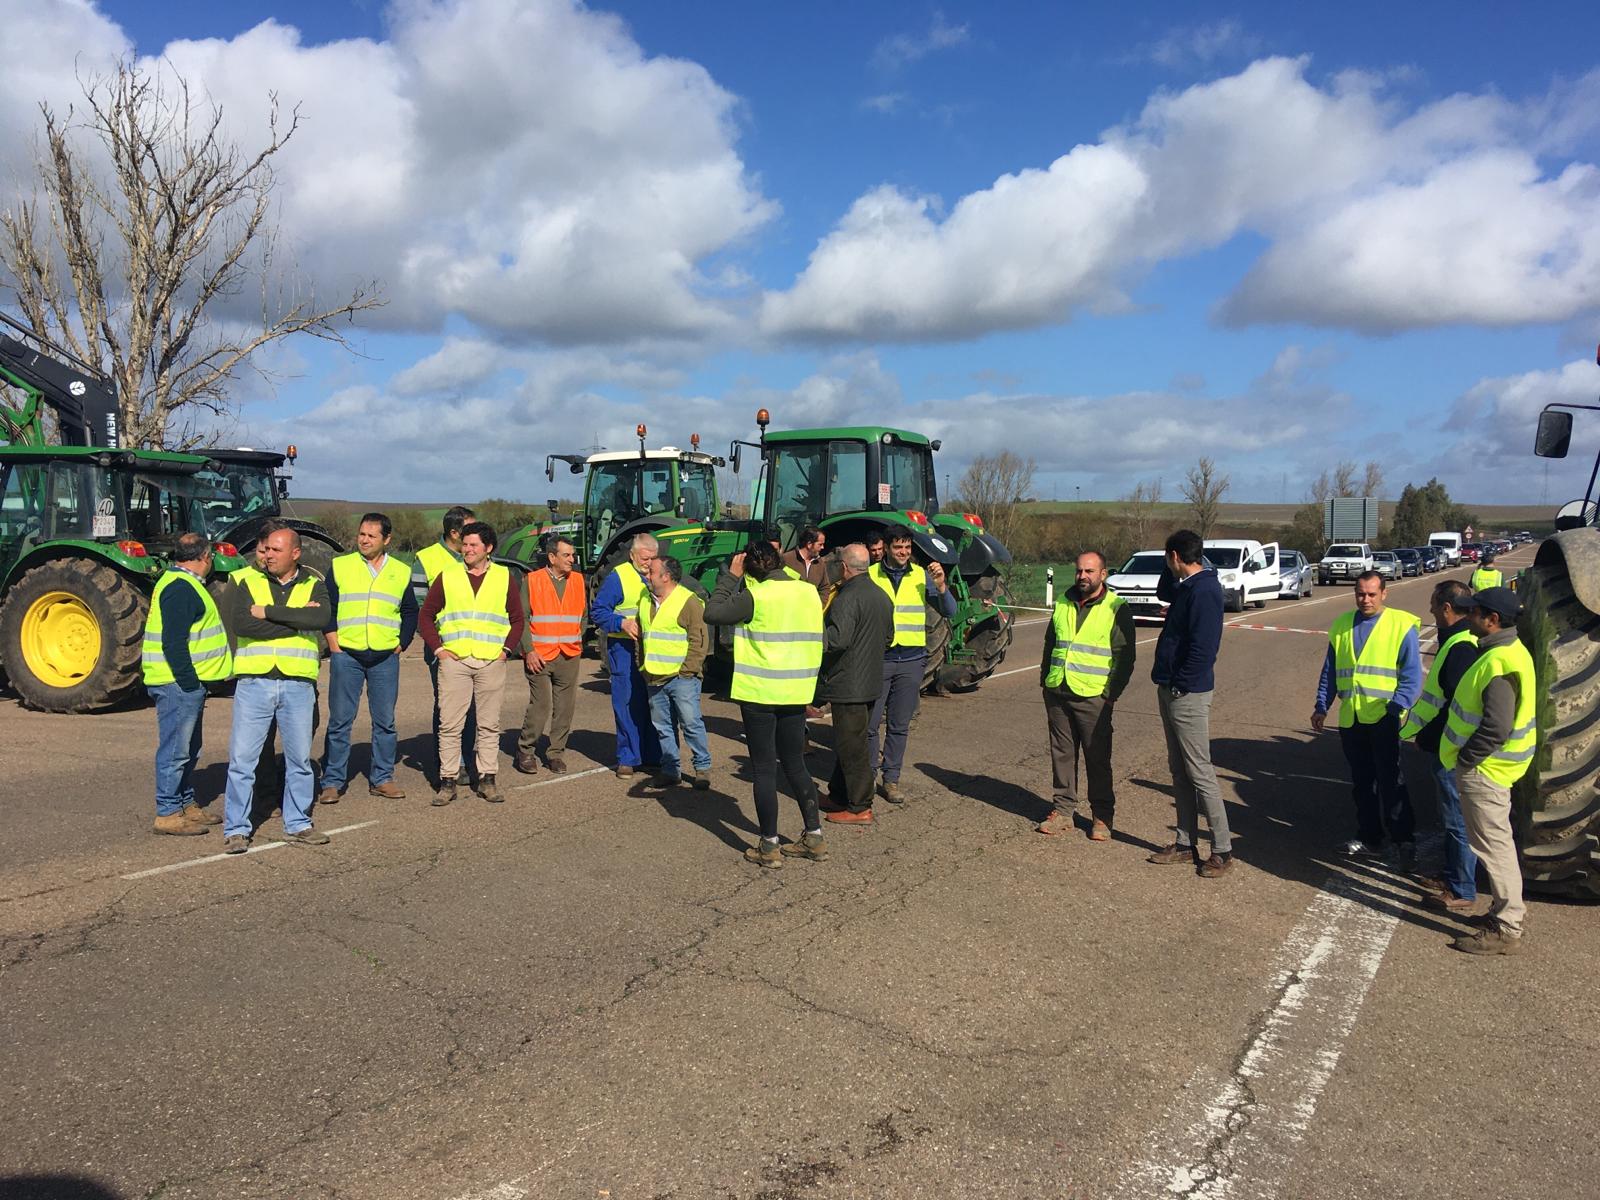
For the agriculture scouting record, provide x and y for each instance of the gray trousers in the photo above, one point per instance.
(1186, 721)
(902, 690)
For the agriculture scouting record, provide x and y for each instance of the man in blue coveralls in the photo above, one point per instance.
(615, 612)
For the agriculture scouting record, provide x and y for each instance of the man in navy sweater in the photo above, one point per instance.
(1186, 655)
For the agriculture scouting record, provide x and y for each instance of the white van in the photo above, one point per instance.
(1247, 570)
(1450, 543)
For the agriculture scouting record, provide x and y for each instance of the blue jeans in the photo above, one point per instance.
(1460, 863)
(256, 701)
(674, 706)
(630, 706)
(179, 715)
(345, 679)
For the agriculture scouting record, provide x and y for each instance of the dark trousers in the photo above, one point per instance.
(776, 734)
(1080, 725)
(552, 695)
(902, 690)
(469, 732)
(1383, 802)
(851, 783)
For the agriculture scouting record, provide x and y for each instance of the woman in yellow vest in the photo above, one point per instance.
(1490, 737)
(185, 647)
(777, 652)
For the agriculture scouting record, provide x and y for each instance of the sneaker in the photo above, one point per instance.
(702, 783)
(178, 825)
(1494, 939)
(891, 792)
(445, 795)
(1057, 823)
(844, 816)
(235, 844)
(387, 790)
(1172, 853)
(489, 790)
(1099, 831)
(309, 836)
(528, 764)
(556, 763)
(809, 846)
(766, 854)
(196, 815)
(1356, 848)
(1216, 866)
(328, 795)
(624, 771)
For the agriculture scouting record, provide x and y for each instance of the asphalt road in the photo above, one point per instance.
(586, 991)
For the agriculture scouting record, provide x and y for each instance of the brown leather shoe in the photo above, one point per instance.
(528, 764)
(1099, 831)
(624, 771)
(1448, 901)
(1172, 854)
(1216, 866)
(177, 825)
(328, 796)
(846, 817)
(196, 815)
(388, 789)
(556, 763)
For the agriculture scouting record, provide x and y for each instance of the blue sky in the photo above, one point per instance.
(1113, 238)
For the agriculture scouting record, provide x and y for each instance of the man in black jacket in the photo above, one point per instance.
(1184, 675)
(857, 629)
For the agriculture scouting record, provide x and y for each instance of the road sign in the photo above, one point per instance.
(1466, 534)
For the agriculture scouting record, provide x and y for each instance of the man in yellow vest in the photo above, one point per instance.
(1490, 738)
(185, 647)
(375, 618)
(1088, 660)
(551, 651)
(615, 612)
(672, 622)
(1373, 670)
(1486, 575)
(912, 589)
(472, 620)
(278, 616)
(777, 652)
(1455, 887)
(431, 560)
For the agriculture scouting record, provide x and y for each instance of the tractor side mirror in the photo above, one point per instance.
(553, 506)
(1554, 437)
(550, 469)
(283, 489)
(734, 458)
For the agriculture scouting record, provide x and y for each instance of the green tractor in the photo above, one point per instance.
(250, 487)
(1557, 803)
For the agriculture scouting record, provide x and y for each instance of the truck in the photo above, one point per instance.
(1343, 561)
(1448, 542)
(1556, 805)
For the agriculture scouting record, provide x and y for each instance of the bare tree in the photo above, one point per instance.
(1372, 481)
(1143, 503)
(1341, 482)
(125, 259)
(993, 485)
(1204, 488)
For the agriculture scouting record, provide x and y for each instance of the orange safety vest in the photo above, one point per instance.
(555, 622)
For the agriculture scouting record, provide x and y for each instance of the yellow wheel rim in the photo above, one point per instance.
(60, 639)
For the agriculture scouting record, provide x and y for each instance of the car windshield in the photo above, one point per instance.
(1149, 563)
(1442, 543)
(1225, 557)
(1289, 561)
(1344, 551)
(1383, 556)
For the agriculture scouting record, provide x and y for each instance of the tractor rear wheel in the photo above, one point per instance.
(986, 641)
(71, 632)
(1557, 804)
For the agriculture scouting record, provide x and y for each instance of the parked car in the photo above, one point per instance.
(1386, 564)
(1410, 561)
(1343, 561)
(1433, 558)
(1136, 583)
(1472, 552)
(1296, 576)
(1247, 570)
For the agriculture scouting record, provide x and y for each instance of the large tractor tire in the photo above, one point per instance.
(71, 631)
(1557, 804)
(986, 641)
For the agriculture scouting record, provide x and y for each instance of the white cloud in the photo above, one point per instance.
(902, 49)
(520, 163)
(1199, 45)
(1376, 219)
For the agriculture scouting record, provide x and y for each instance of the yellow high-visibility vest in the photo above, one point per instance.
(435, 558)
(1431, 703)
(666, 643)
(296, 654)
(1366, 685)
(475, 624)
(777, 654)
(369, 605)
(910, 603)
(208, 640)
(1081, 655)
(1511, 761)
(1486, 577)
(633, 590)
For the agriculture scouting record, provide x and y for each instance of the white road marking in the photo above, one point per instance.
(1234, 1135)
(523, 787)
(257, 849)
(1282, 629)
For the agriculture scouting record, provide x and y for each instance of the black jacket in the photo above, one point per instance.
(856, 630)
(1186, 651)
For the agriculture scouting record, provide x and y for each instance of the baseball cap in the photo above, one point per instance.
(1501, 600)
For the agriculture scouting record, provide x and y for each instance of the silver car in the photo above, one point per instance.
(1297, 575)
(1388, 564)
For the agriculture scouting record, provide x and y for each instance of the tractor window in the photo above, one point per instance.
(19, 502)
(698, 488)
(70, 503)
(657, 481)
(847, 476)
(908, 472)
(799, 488)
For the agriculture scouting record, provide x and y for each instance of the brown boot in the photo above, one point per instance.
(196, 815)
(488, 790)
(1171, 854)
(177, 825)
(388, 790)
(528, 764)
(556, 763)
(328, 795)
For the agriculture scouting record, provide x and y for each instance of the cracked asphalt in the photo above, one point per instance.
(587, 992)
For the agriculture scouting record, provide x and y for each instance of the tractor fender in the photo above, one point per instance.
(1580, 549)
(935, 545)
(981, 553)
(122, 563)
